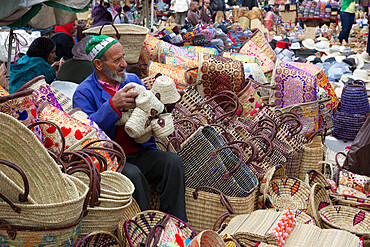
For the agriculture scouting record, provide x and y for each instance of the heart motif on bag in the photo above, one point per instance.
(51, 129)
(78, 135)
(48, 142)
(34, 112)
(66, 131)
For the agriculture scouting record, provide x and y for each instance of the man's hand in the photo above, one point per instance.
(123, 100)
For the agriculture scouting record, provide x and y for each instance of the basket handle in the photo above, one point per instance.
(267, 152)
(155, 234)
(228, 174)
(118, 36)
(223, 199)
(127, 222)
(253, 147)
(118, 151)
(220, 220)
(196, 114)
(94, 184)
(293, 130)
(340, 168)
(356, 84)
(58, 129)
(21, 197)
(261, 85)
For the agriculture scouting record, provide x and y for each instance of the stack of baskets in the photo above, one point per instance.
(351, 115)
(35, 211)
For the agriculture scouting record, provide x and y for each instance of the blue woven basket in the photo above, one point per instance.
(346, 125)
(354, 99)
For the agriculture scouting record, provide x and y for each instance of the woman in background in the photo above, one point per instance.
(40, 55)
(64, 40)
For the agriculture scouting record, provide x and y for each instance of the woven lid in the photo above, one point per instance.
(164, 88)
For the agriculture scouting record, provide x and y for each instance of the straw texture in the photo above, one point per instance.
(284, 192)
(304, 235)
(130, 213)
(347, 125)
(64, 101)
(313, 152)
(135, 126)
(203, 212)
(354, 99)
(146, 221)
(20, 146)
(98, 239)
(51, 214)
(131, 38)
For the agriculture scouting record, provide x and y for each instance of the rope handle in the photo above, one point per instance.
(118, 36)
(117, 147)
(21, 197)
(356, 83)
(30, 83)
(268, 152)
(75, 165)
(155, 234)
(223, 199)
(228, 174)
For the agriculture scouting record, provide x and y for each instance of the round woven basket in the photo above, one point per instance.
(102, 219)
(147, 101)
(347, 125)
(313, 152)
(338, 217)
(145, 222)
(146, 137)
(131, 37)
(284, 192)
(98, 239)
(135, 126)
(130, 213)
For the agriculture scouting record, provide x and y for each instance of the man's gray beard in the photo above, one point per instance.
(114, 76)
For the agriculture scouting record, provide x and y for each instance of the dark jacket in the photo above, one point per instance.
(249, 3)
(75, 70)
(217, 5)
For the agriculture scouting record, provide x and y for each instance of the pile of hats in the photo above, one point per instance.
(150, 118)
(283, 52)
(351, 114)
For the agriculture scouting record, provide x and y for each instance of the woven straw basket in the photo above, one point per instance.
(313, 152)
(204, 211)
(130, 213)
(55, 224)
(20, 146)
(131, 37)
(137, 228)
(98, 239)
(338, 217)
(284, 192)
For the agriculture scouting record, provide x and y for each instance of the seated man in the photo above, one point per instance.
(193, 15)
(103, 96)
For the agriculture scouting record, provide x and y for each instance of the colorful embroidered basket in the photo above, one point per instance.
(98, 239)
(137, 229)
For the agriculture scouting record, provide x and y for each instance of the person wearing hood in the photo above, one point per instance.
(64, 40)
(79, 67)
(100, 16)
(40, 55)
